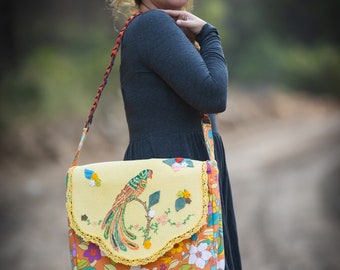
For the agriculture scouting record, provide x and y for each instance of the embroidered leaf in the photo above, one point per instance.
(83, 246)
(185, 267)
(189, 162)
(208, 232)
(179, 204)
(169, 161)
(185, 255)
(82, 263)
(88, 173)
(154, 199)
(109, 267)
(173, 264)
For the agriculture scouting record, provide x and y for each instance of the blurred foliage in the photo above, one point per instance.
(54, 53)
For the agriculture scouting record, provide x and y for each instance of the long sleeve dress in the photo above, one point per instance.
(166, 85)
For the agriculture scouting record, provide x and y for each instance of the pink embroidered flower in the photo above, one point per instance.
(162, 267)
(199, 255)
(176, 166)
(92, 253)
(162, 219)
(136, 227)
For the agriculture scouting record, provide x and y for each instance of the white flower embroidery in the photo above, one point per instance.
(221, 264)
(199, 255)
(151, 213)
(92, 183)
(184, 164)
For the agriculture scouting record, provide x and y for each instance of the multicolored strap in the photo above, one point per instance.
(208, 136)
(101, 88)
(206, 125)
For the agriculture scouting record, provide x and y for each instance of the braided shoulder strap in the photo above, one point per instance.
(101, 88)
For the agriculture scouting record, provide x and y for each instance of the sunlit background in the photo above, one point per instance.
(281, 129)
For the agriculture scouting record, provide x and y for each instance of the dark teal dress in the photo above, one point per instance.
(166, 85)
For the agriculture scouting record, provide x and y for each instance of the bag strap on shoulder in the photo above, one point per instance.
(206, 125)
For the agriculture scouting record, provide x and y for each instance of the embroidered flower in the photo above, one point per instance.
(151, 213)
(92, 253)
(186, 194)
(184, 164)
(162, 219)
(147, 244)
(179, 159)
(183, 199)
(166, 260)
(162, 267)
(74, 250)
(93, 178)
(176, 166)
(221, 264)
(199, 255)
(178, 163)
(177, 248)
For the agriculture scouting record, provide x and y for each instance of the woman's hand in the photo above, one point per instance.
(191, 24)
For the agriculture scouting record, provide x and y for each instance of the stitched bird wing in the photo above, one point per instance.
(113, 223)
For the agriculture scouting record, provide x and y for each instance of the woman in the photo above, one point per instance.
(166, 85)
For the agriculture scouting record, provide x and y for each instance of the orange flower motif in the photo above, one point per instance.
(94, 176)
(177, 248)
(166, 260)
(186, 194)
(147, 244)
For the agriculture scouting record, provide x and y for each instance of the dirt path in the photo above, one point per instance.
(284, 167)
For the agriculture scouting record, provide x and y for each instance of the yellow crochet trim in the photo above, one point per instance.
(155, 255)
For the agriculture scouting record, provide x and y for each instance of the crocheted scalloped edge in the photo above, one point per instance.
(138, 261)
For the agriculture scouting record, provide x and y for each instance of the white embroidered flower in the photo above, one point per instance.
(199, 255)
(92, 183)
(184, 164)
(151, 213)
(221, 264)
(135, 267)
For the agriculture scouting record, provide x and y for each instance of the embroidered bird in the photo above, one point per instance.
(113, 223)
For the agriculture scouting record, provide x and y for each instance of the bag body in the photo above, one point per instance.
(167, 216)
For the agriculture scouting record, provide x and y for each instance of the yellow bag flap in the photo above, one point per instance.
(135, 211)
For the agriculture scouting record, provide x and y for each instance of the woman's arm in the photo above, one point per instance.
(200, 78)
